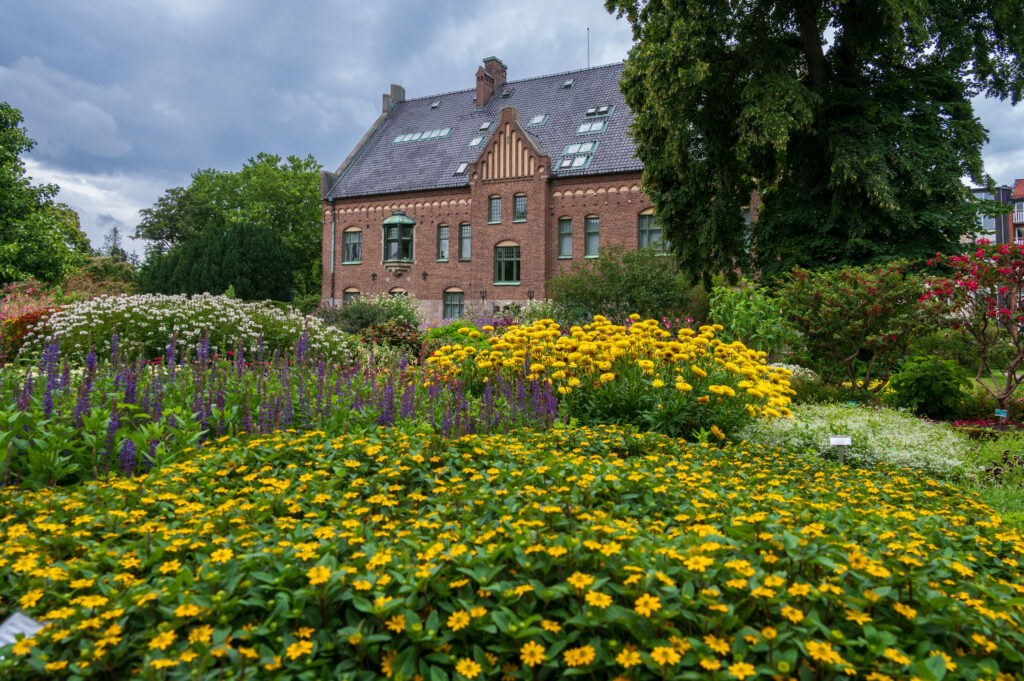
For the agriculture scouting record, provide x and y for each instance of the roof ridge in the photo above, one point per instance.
(514, 82)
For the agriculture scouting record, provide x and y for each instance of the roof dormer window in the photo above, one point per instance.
(461, 170)
(476, 142)
(597, 111)
(436, 104)
(485, 126)
(591, 127)
(568, 83)
(539, 119)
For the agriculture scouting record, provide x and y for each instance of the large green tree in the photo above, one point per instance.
(38, 238)
(280, 195)
(851, 118)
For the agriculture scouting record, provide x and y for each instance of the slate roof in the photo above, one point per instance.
(383, 167)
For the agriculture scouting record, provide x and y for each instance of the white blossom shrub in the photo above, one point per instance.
(879, 435)
(147, 323)
(802, 373)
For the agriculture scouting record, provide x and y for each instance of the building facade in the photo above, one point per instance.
(1007, 228)
(481, 196)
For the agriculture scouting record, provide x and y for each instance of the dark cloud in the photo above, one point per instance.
(127, 98)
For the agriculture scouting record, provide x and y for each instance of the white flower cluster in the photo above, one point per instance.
(878, 435)
(150, 321)
(802, 373)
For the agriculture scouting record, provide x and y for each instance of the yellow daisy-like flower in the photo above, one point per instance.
(792, 614)
(318, 574)
(187, 610)
(458, 620)
(647, 604)
(664, 655)
(222, 555)
(56, 666)
(896, 656)
(719, 645)
(717, 432)
(468, 668)
(607, 377)
(532, 654)
(598, 599)
(362, 585)
(580, 580)
(162, 641)
(549, 625)
(163, 663)
(298, 649)
(478, 611)
(741, 670)
(396, 624)
(710, 663)
(629, 658)
(658, 383)
(579, 657)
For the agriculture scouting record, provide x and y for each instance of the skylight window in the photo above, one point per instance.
(579, 148)
(595, 126)
(596, 111)
(435, 104)
(539, 119)
(508, 92)
(420, 136)
(574, 162)
(569, 82)
(461, 169)
(476, 141)
(485, 126)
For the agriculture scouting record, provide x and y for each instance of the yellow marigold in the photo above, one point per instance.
(608, 377)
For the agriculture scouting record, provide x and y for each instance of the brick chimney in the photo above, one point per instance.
(489, 77)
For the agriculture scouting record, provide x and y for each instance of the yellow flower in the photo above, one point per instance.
(598, 599)
(396, 624)
(896, 656)
(468, 668)
(298, 649)
(222, 555)
(458, 620)
(628, 658)
(792, 614)
(664, 655)
(769, 633)
(823, 652)
(710, 663)
(532, 654)
(187, 610)
(905, 610)
(549, 625)
(657, 383)
(56, 666)
(579, 657)
(607, 377)
(717, 432)
(647, 604)
(161, 641)
(163, 663)
(478, 611)
(741, 670)
(30, 598)
(720, 646)
(580, 580)
(318, 574)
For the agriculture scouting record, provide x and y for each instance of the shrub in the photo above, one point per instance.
(641, 376)
(618, 283)
(103, 276)
(815, 391)
(13, 332)
(302, 556)
(881, 436)
(1000, 460)
(398, 334)
(856, 322)
(983, 300)
(959, 347)
(366, 311)
(750, 315)
(459, 331)
(146, 323)
(21, 297)
(930, 386)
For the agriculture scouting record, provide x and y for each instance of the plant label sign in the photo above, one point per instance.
(18, 623)
(840, 440)
(1002, 413)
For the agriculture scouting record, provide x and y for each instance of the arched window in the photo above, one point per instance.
(352, 246)
(649, 232)
(349, 295)
(398, 233)
(398, 291)
(592, 232)
(565, 237)
(506, 263)
(454, 305)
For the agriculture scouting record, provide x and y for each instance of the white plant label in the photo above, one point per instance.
(840, 440)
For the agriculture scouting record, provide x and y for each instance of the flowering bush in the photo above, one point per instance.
(366, 311)
(749, 314)
(983, 299)
(148, 322)
(880, 437)
(533, 555)
(13, 331)
(402, 336)
(640, 375)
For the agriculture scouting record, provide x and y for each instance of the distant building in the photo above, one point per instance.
(1000, 230)
(482, 195)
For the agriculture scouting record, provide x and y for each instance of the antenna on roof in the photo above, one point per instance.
(588, 47)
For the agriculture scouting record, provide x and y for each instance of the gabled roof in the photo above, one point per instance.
(1018, 190)
(383, 166)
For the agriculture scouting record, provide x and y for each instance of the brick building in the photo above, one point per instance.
(482, 195)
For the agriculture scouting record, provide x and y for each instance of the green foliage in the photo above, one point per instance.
(959, 347)
(400, 335)
(752, 316)
(309, 597)
(880, 437)
(816, 391)
(618, 283)
(365, 311)
(458, 331)
(103, 275)
(930, 386)
(279, 195)
(251, 259)
(854, 127)
(855, 322)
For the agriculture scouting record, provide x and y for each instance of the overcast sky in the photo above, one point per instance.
(126, 98)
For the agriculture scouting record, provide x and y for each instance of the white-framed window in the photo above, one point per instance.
(592, 232)
(352, 246)
(590, 127)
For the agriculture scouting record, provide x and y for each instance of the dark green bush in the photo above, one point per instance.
(400, 335)
(930, 386)
(366, 311)
(816, 391)
(959, 347)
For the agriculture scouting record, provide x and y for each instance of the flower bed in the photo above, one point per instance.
(639, 375)
(586, 552)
